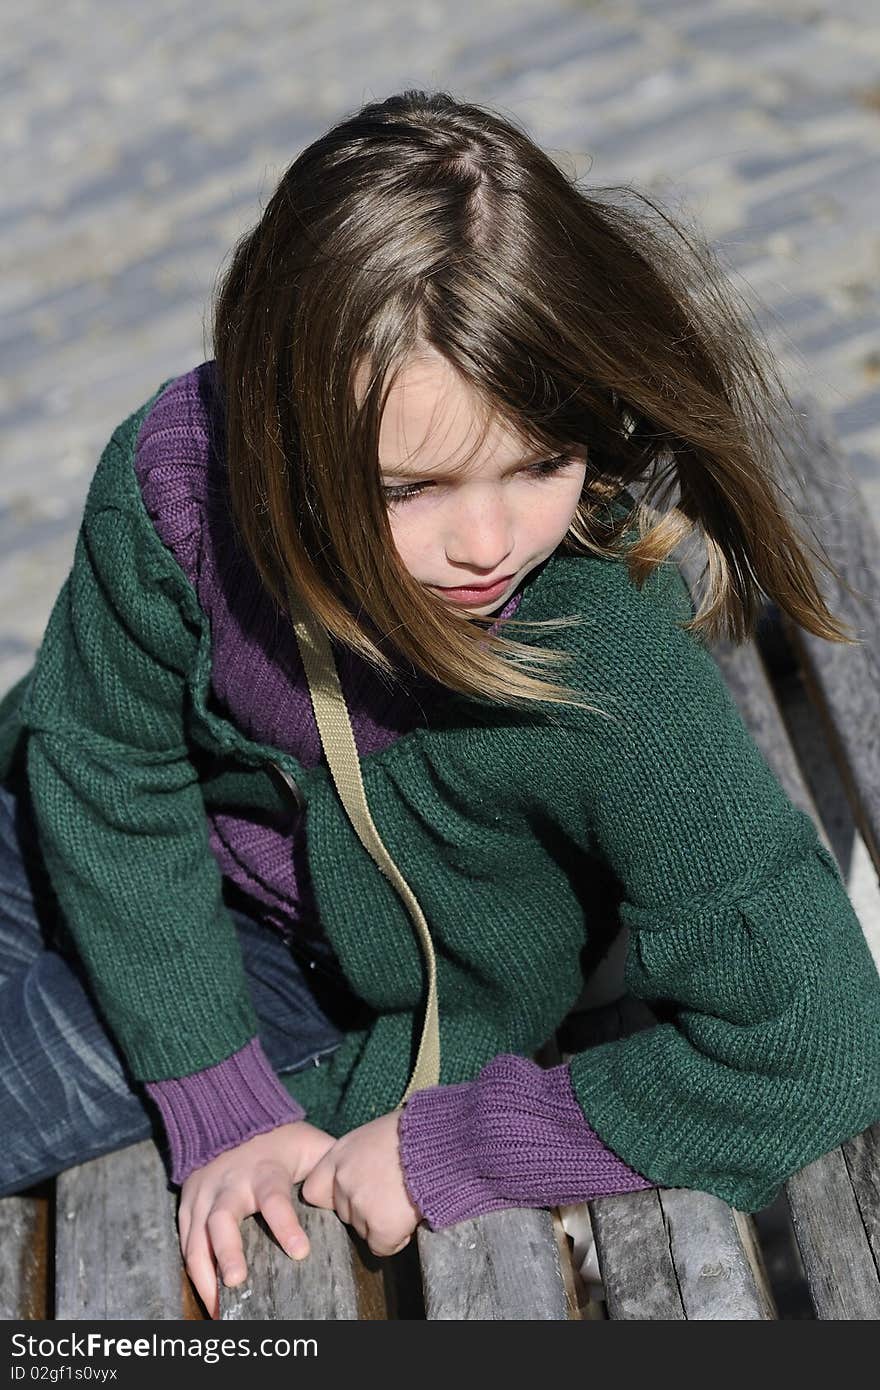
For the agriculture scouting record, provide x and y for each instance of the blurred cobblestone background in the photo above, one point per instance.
(140, 140)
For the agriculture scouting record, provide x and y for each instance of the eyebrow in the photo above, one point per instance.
(540, 455)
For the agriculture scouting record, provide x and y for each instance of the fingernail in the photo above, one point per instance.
(298, 1247)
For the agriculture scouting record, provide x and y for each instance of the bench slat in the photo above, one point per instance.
(323, 1286)
(862, 1154)
(117, 1252)
(842, 681)
(675, 1254)
(712, 1266)
(500, 1266)
(23, 1257)
(635, 1260)
(670, 1253)
(835, 1211)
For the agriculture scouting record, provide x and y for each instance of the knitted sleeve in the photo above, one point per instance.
(221, 1107)
(116, 798)
(742, 938)
(515, 1136)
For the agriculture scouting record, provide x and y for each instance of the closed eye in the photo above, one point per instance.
(545, 468)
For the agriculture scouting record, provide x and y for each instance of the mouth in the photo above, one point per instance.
(471, 595)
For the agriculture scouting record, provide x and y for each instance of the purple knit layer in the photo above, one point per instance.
(257, 676)
(513, 1137)
(220, 1107)
(257, 681)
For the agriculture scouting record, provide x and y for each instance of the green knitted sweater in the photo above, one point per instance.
(743, 940)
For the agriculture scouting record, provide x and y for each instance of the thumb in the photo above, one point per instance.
(318, 1186)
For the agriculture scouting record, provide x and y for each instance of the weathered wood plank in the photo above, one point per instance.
(862, 1156)
(842, 681)
(839, 1257)
(672, 1253)
(323, 1286)
(504, 1265)
(117, 1252)
(635, 1260)
(713, 1270)
(23, 1257)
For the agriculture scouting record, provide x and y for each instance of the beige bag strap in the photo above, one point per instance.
(334, 726)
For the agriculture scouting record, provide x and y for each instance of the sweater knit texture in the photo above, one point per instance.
(742, 939)
(257, 679)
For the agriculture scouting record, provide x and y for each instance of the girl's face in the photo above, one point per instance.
(497, 520)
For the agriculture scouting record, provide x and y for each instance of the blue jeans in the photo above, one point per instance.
(66, 1094)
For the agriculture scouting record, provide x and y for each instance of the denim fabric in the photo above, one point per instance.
(65, 1092)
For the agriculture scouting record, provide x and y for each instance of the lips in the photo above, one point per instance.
(472, 595)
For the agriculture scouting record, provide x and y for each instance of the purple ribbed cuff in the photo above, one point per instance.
(513, 1137)
(218, 1108)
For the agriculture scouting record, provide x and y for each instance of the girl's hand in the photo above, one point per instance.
(361, 1178)
(254, 1176)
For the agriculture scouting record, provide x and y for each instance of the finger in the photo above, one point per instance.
(184, 1222)
(225, 1234)
(317, 1188)
(282, 1220)
(200, 1268)
(342, 1207)
(383, 1245)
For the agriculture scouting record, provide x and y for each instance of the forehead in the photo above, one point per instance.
(433, 419)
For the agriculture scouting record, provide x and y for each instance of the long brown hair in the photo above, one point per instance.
(421, 220)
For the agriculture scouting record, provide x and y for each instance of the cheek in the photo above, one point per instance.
(410, 540)
(573, 494)
(552, 515)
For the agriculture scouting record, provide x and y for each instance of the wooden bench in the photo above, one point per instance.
(100, 1241)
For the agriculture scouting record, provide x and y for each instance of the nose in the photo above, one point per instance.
(481, 537)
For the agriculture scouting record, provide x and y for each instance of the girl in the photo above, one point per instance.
(438, 364)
